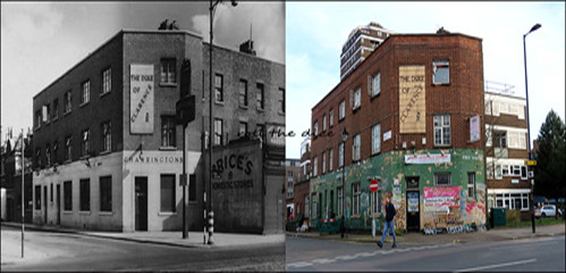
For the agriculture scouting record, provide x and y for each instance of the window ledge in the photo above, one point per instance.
(219, 102)
(260, 110)
(166, 213)
(85, 212)
(83, 104)
(441, 84)
(67, 212)
(244, 107)
(66, 113)
(281, 113)
(105, 93)
(167, 84)
(105, 213)
(104, 152)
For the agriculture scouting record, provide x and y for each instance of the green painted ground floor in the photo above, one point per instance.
(431, 190)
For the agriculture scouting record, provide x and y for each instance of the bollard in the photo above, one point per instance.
(210, 228)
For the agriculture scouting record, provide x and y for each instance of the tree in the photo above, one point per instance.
(550, 173)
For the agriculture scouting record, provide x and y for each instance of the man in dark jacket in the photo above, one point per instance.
(389, 223)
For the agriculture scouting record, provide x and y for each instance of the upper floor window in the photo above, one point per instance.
(376, 139)
(341, 154)
(48, 155)
(315, 166)
(324, 123)
(330, 159)
(357, 99)
(218, 131)
(376, 85)
(37, 119)
(69, 148)
(356, 147)
(342, 110)
(331, 118)
(168, 132)
(85, 145)
(168, 71)
(282, 100)
(106, 80)
(442, 130)
(55, 152)
(315, 129)
(85, 92)
(323, 162)
(260, 96)
(47, 113)
(243, 95)
(219, 87)
(55, 109)
(243, 129)
(106, 136)
(68, 101)
(440, 72)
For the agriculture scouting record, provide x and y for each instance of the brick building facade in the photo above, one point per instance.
(407, 110)
(506, 151)
(108, 150)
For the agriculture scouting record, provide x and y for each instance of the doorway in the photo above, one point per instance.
(45, 204)
(58, 200)
(141, 203)
(413, 203)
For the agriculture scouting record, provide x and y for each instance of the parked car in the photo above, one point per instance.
(547, 211)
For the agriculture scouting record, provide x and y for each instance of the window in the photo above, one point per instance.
(37, 197)
(69, 148)
(85, 92)
(342, 110)
(331, 118)
(106, 81)
(356, 199)
(505, 170)
(357, 99)
(376, 203)
(314, 206)
(168, 69)
(330, 158)
(218, 88)
(315, 129)
(323, 162)
(324, 123)
(218, 131)
(55, 109)
(243, 88)
(440, 72)
(489, 170)
(38, 157)
(168, 193)
(376, 85)
(192, 188)
(168, 131)
(498, 174)
(442, 179)
(106, 137)
(340, 191)
(37, 119)
(51, 192)
(472, 185)
(105, 193)
(315, 167)
(85, 144)
(47, 113)
(282, 100)
(260, 96)
(442, 130)
(68, 195)
(524, 174)
(243, 129)
(356, 147)
(85, 194)
(500, 139)
(68, 97)
(48, 155)
(55, 152)
(341, 154)
(376, 139)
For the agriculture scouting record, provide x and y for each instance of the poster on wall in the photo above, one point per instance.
(412, 202)
(441, 199)
(412, 116)
(141, 98)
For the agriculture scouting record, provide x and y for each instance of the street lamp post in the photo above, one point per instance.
(213, 4)
(535, 27)
(344, 138)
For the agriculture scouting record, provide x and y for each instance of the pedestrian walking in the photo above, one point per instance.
(389, 225)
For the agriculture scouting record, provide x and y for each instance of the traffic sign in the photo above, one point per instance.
(530, 162)
(373, 185)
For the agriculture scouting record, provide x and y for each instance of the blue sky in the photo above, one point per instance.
(315, 33)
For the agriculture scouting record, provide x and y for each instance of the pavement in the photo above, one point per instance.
(171, 238)
(415, 238)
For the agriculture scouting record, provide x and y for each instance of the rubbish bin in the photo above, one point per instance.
(498, 217)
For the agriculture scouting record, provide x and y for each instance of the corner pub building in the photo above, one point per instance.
(108, 150)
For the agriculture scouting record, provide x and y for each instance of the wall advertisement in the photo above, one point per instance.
(141, 98)
(412, 115)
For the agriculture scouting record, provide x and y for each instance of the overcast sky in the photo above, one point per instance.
(41, 41)
(315, 33)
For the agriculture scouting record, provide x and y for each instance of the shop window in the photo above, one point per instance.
(38, 197)
(85, 194)
(192, 188)
(340, 191)
(168, 193)
(68, 195)
(307, 206)
(105, 193)
(356, 199)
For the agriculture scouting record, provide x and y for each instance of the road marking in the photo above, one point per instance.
(361, 255)
(496, 265)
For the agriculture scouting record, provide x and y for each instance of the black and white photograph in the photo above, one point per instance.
(115, 129)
